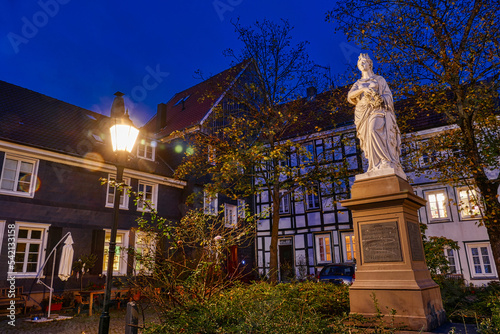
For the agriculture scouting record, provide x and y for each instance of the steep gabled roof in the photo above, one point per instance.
(189, 107)
(31, 118)
(36, 120)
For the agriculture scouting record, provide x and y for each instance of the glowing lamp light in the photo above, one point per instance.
(123, 136)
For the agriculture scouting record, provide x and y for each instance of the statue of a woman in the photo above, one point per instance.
(375, 120)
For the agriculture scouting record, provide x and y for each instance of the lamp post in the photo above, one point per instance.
(123, 137)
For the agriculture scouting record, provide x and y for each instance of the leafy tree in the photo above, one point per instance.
(434, 252)
(443, 56)
(249, 137)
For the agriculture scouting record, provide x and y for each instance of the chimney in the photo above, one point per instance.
(161, 116)
(118, 106)
(311, 92)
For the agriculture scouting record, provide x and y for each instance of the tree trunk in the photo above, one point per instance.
(273, 261)
(491, 215)
(487, 188)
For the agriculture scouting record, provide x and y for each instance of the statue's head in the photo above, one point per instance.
(366, 58)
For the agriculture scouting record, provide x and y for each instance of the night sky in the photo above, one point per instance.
(82, 52)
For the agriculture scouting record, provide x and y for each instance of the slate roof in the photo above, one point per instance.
(37, 120)
(190, 106)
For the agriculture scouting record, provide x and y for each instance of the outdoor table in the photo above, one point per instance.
(92, 293)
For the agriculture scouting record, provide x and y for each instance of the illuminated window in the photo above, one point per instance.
(323, 248)
(119, 261)
(110, 198)
(349, 247)
(438, 207)
(469, 203)
(18, 176)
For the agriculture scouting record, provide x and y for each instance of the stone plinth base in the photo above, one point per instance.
(390, 258)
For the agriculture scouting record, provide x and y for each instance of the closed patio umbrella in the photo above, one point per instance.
(65, 264)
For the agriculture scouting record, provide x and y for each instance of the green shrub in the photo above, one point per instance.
(263, 308)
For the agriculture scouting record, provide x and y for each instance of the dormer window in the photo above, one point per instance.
(146, 150)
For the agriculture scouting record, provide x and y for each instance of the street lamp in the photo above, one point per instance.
(123, 137)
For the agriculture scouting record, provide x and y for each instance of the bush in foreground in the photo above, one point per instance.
(263, 308)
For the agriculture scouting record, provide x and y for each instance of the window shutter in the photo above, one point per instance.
(54, 236)
(130, 255)
(97, 248)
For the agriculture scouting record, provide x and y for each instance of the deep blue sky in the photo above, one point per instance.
(82, 52)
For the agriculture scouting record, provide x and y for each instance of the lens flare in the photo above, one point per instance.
(94, 157)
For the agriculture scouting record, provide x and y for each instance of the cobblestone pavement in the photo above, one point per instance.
(77, 325)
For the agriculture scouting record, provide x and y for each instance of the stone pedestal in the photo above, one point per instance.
(390, 258)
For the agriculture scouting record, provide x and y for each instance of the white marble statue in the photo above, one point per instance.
(375, 121)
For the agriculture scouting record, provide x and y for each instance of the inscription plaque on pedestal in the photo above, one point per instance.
(417, 250)
(380, 242)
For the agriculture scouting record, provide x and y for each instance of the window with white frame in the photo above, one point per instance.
(145, 249)
(148, 192)
(31, 241)
(469, 203)
(451, 256)
(481, 260)
(210, 204)
(349, 248)
(19, 176)
(323, 248)
(284, 202)
(146, 150)
(230, 215)
(241, 208)
(110, 198)
(120, 260)
(437, 204)
(312, 199)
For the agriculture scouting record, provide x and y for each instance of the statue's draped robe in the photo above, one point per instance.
(376, 125)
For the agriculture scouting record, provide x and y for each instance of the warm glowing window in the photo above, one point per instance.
(119, 261)
(323, 248)
(349, 247)
(469, 203)
(438, 206)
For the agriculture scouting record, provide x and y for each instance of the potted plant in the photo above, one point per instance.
(83, 265)
(55, 305)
